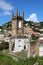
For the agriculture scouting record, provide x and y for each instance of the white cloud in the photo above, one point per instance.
(7, 13)
(33, 17)
(5, 6)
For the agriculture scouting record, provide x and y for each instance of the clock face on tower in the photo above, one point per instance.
(19, 24)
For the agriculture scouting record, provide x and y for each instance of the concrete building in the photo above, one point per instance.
(18, 44)
(28, 31)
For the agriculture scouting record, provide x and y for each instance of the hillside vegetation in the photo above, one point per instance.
(6, 60)
(6, 26)
(9, 60)
(26, 23)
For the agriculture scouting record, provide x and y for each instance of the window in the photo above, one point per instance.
(13, 45)
(34, 54)
(19, 24)
(41, 44)
(19, 30)
(19, 44)
(24, 46)
(19, 40)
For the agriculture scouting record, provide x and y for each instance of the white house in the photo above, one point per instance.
(41, 46)
(18, 44)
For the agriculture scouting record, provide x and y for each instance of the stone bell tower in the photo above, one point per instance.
(17, 24)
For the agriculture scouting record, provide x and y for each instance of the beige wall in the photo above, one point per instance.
(14, 27)
(34, 48)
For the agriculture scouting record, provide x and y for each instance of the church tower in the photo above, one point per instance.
(17, 24)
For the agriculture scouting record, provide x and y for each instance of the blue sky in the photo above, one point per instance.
(33, 9)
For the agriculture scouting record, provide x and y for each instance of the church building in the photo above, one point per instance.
(20, 41)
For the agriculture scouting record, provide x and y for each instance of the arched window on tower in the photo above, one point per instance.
(19, 24)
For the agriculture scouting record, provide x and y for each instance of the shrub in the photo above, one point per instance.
(27, 61)
(4, 45)
(6, 60)
(0, 46)
(33, 37)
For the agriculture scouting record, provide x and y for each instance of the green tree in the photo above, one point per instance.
(33, 37)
